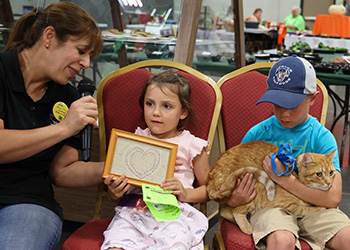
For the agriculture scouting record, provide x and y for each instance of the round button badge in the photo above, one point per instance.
(60, 110)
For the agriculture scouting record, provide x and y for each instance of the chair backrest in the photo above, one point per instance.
(119, 92)
(241, 89)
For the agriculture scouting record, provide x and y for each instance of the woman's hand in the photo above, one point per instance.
(81, 112)
(293, 27)
(177, 189)
(244, 191)
(117, 188)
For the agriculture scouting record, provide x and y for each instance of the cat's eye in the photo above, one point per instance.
(319, 174)
(331, 172)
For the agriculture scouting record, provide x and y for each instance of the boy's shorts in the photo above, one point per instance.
(314, 228)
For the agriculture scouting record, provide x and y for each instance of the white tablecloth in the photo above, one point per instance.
(314, 41)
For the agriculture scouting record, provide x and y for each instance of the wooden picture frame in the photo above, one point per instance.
(129, 154)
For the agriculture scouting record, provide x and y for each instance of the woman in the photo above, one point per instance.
(294, 22)
(256, 17)
(39, 135)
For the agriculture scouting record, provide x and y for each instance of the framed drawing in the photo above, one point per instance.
(142, 159)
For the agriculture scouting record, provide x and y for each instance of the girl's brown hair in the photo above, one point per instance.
(178, 84)
(68, 20)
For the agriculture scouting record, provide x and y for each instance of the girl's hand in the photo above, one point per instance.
(117, 188)
(244, 191)
(175, 185)
(178, 163)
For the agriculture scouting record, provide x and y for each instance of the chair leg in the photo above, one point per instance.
(218, 242)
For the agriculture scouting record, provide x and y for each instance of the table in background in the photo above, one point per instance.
(313, 41)
(258, 39)
(266, 37)
(332, 25)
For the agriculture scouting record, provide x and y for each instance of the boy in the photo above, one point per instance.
(292, 88)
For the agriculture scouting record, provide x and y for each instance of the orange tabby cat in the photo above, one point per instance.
(314, 170)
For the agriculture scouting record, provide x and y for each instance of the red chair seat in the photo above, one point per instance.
(234, 238)
(88, 237)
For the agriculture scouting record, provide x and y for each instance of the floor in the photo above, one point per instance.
(70, 226)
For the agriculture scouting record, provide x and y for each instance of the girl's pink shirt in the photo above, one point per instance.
(189, 147)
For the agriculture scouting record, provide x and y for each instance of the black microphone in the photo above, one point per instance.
(86, 87)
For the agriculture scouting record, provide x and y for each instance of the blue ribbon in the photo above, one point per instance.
(285, 156)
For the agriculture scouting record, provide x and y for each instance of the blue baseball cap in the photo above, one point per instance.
(290, 80)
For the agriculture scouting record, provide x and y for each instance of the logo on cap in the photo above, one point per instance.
(281, 76)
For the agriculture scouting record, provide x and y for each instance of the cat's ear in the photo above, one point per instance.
(307, 159)
(332, 155)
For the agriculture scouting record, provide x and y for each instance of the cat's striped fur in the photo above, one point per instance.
(314, 170)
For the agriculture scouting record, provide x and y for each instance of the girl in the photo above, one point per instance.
(165, 101)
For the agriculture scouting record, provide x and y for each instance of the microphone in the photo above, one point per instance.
(86, 87)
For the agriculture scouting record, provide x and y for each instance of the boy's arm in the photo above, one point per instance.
(244, 192)
(330, 198)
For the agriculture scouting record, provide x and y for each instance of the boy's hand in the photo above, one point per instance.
(175, 185)
(117, 188)
(280, 168)
(268, 167)
(244, 191)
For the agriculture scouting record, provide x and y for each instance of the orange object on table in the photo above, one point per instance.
(282, 32)
(332, 25)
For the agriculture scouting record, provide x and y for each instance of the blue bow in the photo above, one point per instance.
(285, 156)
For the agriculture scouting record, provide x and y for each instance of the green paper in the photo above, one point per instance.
(162, 203)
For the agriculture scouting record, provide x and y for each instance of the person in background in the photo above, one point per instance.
(41, 116)
(256, 17)
(294, 22)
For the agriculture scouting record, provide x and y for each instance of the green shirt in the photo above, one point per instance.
(297, 21)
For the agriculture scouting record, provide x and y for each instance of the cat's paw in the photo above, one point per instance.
(247, 230)
(243, 223)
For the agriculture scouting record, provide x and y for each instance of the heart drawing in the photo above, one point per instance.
(142, 163)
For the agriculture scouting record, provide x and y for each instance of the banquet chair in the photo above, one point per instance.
(241, 89)
(118, 106)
